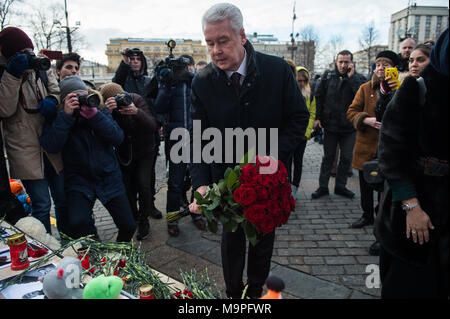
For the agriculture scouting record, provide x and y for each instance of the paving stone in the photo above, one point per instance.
(340, 260)
(342, 237)
(316, 237)
(309, 287)
(327, 270)
(303, 244)
(322, 252)
(314, 260)
(331, 244)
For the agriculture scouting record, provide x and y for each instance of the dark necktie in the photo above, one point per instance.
(236, 81)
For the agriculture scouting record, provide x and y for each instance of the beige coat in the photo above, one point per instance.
(21, 130)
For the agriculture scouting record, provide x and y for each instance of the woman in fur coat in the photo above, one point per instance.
(412, 225)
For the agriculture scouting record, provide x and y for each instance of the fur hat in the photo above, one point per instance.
(72, 83)
(110, 90)
(13, 40)
(390, 55)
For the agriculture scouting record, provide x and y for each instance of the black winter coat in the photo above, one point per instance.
(269, 98)
(139, 131)
(334, 95)
(410, 130)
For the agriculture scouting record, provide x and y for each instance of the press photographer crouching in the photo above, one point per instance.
(174, 99)
(86, 134)
(137, 152)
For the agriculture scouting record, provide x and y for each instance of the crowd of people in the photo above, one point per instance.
(72, 143)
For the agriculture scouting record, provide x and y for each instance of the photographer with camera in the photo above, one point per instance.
(174, 99)
(137, 151)
(86, 134)
(25, 101)
(133, 77)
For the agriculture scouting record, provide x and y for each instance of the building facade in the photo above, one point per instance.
(154, 50)
(304, 51)
(361, 58)
(421, 23)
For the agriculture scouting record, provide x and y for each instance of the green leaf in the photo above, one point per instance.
(253, 240)
(212, 226)
(231, 226)
(227, 172)
(231, 179)
(215, 204)
(248, 156)
(200, 199)
(250, 229)
(216, 189)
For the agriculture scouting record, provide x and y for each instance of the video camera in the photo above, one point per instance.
(37, 63)
(171, 68)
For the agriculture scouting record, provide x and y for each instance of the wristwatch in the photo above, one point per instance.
(409, 206)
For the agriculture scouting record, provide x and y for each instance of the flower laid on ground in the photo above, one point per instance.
(254, 196)
(186, 294)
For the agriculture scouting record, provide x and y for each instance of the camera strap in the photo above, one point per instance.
(39, 97)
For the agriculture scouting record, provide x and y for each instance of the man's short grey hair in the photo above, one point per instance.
(223, 11)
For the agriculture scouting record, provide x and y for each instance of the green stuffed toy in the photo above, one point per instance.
(102, 287)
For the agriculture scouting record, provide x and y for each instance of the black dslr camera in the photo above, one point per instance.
(172, 69)
(123, 99)
(132, 52)
(36, 62)
(91, 100)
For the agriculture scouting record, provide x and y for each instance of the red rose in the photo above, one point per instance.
(285, 203)
(244, 195)
(266, 225)
(292, 203)
(254, 213)
(248, 174)
(261, 193)
(276, 193)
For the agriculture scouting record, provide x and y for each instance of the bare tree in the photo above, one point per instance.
(48, 30)
(6, 11)
(336, 45)
(367, 41)
(308, 43)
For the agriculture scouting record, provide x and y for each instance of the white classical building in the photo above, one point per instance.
(419, 22)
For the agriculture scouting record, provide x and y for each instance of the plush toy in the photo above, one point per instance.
(102, 287)
(18, 190)
(35, 229)
(63, 282)
(274, 287)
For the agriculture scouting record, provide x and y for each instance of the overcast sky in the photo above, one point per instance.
(102, 20)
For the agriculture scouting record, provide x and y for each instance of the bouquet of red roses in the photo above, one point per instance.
(255, 196)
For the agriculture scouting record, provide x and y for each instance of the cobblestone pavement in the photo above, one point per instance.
(316, 252)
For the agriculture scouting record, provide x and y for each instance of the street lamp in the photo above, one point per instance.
(68, 32)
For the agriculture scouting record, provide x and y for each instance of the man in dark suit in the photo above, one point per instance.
(242, 89)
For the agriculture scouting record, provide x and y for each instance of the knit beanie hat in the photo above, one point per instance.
(13, 40)
(72, 83)
(110, 90)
